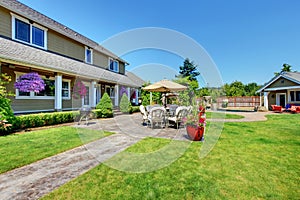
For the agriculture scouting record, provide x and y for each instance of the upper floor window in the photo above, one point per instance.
(88, 55)
(30, 33)
(113, 65)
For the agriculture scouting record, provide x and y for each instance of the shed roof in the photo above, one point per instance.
(39, 18)
(21, 54)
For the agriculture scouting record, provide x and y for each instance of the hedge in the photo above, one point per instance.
(46, 119)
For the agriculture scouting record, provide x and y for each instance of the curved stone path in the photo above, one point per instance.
(37, 179)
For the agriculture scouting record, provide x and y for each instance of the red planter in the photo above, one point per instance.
(195, 133)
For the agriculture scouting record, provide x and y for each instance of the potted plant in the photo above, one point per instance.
(195, 123)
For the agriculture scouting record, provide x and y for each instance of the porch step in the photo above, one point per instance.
(116, 111)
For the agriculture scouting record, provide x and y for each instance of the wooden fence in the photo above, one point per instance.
(252, 101)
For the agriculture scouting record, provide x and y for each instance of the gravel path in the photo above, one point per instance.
(39, 178)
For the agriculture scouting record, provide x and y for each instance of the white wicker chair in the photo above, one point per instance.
(180, 113)
(157, 117)
(144, 114)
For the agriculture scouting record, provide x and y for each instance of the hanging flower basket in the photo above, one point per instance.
(79, 90)
(31, 82)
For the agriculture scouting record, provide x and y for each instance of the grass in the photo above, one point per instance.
(218, 115)
(252, 160)
(20, 149)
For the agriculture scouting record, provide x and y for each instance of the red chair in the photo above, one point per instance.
(276, 108)
(295, 109)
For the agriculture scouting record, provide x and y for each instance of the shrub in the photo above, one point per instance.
(135, 109)
(6, 113)
(43, 119)
(125, 105)
(106, 106)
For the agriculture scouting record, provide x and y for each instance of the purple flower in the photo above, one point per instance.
(31, 82)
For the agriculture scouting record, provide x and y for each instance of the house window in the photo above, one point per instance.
(49, 89)
(22, 31)
(30, 33)
(295, 95)
(48, 92)
(292, 94)
(88, 55)
(113, 65)
(65, 89)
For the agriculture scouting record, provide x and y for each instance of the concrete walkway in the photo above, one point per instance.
(39, 178)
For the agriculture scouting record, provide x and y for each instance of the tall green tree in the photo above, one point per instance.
(251, 88)
(285, 68)
(189, 69)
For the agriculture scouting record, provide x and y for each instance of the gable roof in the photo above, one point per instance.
(137, 80)
(21, 54)
(292, 76)
(31, 14)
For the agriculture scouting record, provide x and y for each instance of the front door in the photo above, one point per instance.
(281, 99)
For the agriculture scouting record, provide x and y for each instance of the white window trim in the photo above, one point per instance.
(32, 96)
(69, 89)
(113, 60)
(85, 57)
(14, 17)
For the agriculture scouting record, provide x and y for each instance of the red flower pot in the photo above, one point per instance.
(195, 133)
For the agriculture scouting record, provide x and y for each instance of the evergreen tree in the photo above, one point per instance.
(125, 105)
(105, 105)
(189, 69)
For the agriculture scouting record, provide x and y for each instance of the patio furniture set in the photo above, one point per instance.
(293, 108)
(159, 116)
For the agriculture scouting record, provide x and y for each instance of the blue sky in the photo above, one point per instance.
(247, 40)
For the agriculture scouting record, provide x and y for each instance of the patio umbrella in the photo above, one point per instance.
(165, 86)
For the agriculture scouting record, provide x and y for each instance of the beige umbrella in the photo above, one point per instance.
(165, 86)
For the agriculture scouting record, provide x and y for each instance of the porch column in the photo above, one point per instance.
(136, 96)
(116, 95)
(93, 94)
(128, 92)
(266, 101)
(58, 93)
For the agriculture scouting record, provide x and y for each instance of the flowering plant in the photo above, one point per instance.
(79, 89)
(31, 82)
(196, 117)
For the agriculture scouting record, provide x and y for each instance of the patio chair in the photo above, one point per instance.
(144, 114)
(180, 113)
(276, 108)
(157, 117)
(84, 113)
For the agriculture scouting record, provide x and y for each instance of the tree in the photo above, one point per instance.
(285, 68)
(236, 88)
(125, 105)
(251, 88)
(105, 105)
(189, 69)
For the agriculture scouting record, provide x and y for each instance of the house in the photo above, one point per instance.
(33, 42)
(282, 90)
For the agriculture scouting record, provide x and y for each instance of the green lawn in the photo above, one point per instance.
(253, 160)
(20, 149)
(220, 115)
